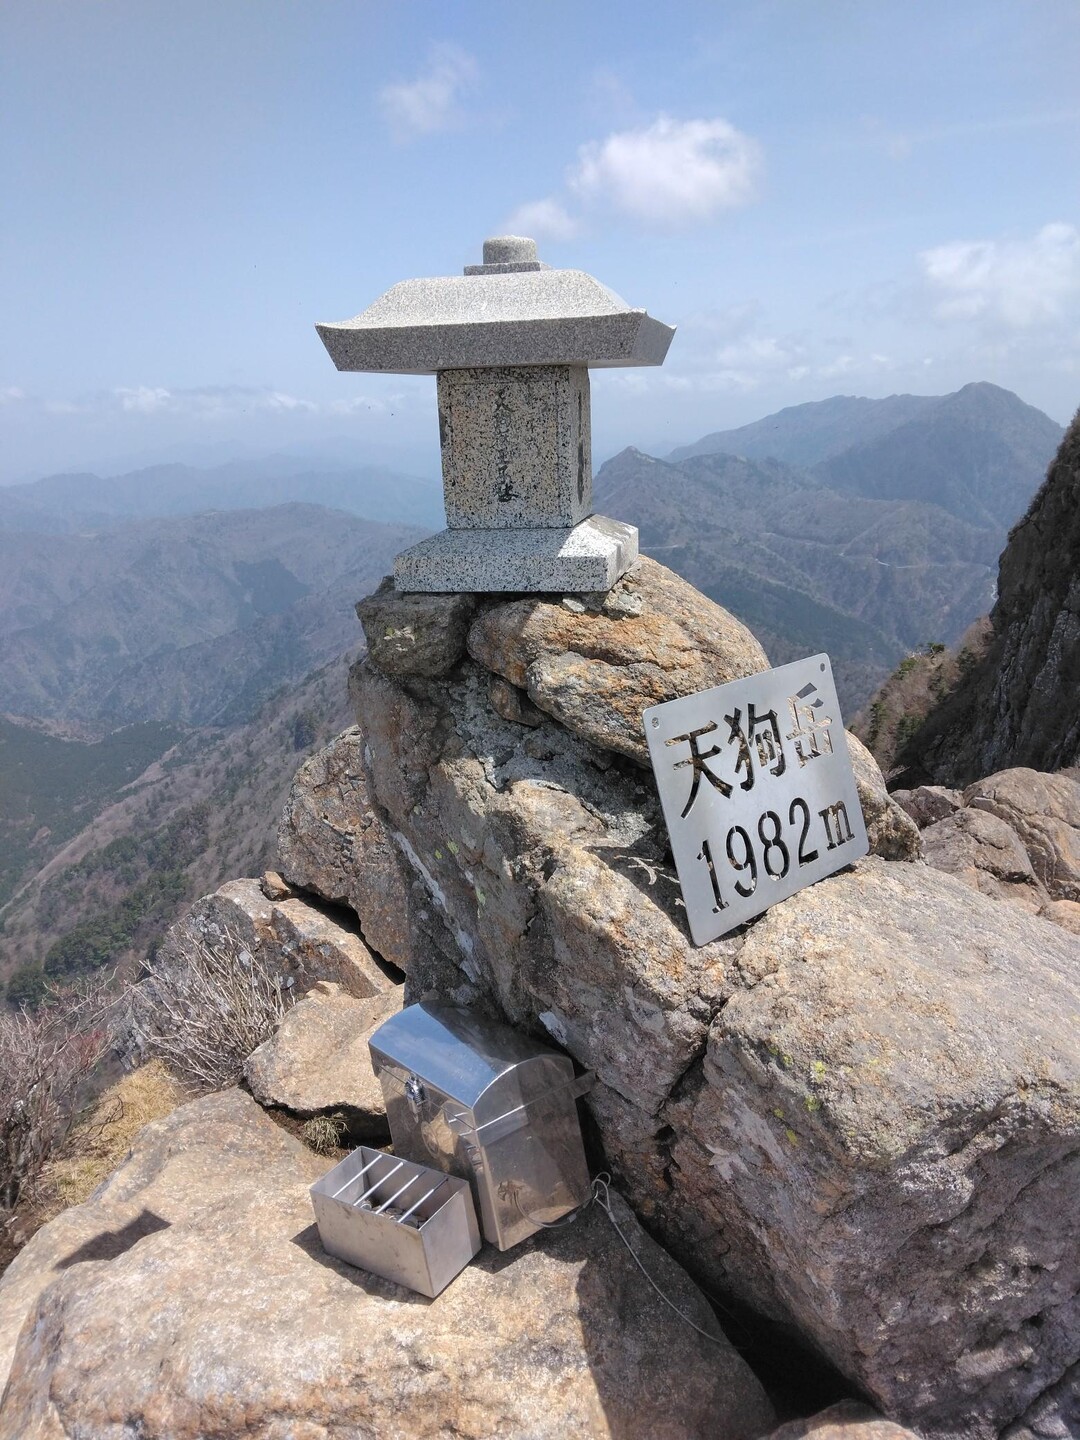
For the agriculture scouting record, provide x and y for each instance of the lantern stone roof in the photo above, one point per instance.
(512, 310)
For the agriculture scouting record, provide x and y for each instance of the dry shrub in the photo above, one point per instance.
(97, 1144)
(205, 1008)
(46, 1057)
(323, 1133)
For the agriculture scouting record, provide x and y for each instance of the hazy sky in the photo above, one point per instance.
(826, 196)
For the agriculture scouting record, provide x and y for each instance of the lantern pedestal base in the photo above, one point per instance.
(588, 557)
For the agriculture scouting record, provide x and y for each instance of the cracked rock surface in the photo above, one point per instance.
(331, 841)
(883, 1138)
(299, 939)
(595, 665)
(191, 1298)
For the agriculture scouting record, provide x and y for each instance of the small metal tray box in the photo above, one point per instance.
(476, 1098)
(405, 1222)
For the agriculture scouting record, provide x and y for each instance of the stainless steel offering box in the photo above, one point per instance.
(405, 1222)
(758, 791)
(477, 1099)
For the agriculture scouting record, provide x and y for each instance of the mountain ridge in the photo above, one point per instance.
(978, 452)
(813, 431)
(74, 501)
(806, 567)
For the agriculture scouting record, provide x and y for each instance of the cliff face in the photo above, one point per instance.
(1019, 705)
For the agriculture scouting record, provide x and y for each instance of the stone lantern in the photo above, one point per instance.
(510, 343)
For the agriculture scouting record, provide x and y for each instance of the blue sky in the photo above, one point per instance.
(826, 196)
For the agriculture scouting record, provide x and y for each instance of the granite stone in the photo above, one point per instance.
(518, 317)
(590, 556)
(516, 448)
(509, 249)
(506, 253)
(415, 634)
(511, 342)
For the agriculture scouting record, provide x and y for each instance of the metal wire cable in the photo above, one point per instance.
(601, 1196)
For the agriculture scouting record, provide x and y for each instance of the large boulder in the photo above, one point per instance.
(548, 866)
(299, 940)
(596, 663)
(332, 842)
(883, 1142)
(318, 1062)
(986, 854)
(1014, 835)
(1044, 810)
(192, 1298)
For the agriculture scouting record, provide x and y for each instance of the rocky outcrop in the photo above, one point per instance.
(849, 1420)
(1014, 835)
(332, 842)
(1017, 707)
(595, 663)
(861, 1113)
(318, 1062)
(191, 1297)
(302, 942)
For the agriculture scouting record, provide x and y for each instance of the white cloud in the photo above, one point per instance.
(11, 395)
(144, 399)
(842, 365)
(672, 173)
(430, 102)
(1017, 282)
(669, 174)
(277, 400)
(543, 220)
(360, 405)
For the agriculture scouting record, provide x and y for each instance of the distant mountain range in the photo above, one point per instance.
(979, 453)
(74, 503)
(192, 619)
(860, 527)
(804, 435)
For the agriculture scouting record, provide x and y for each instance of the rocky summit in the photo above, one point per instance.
(858, 1115)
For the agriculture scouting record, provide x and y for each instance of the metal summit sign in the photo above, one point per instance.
(757, 790)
